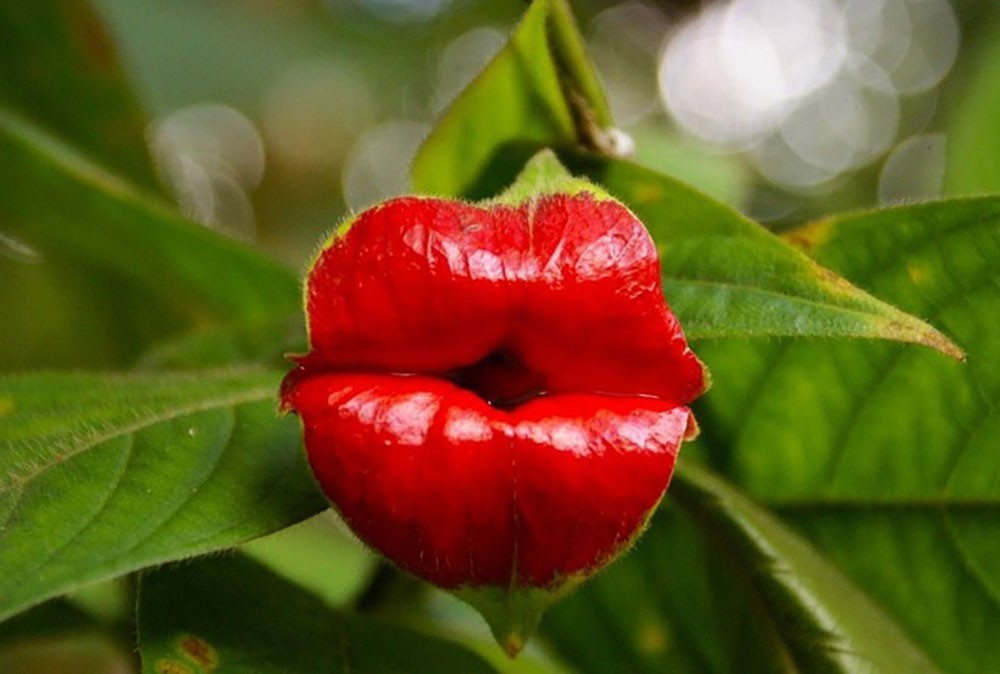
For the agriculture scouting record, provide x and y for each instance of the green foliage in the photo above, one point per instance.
(121, 472)
(973, 142)
(72, 82)
(130, 237)
(537, 94)
(726, 276)
(847, 520)
(888, 458)
(232, 615)
(785, 608)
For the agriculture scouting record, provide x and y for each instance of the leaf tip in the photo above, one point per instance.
(919, 332)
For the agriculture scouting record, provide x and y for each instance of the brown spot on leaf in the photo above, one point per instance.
(810, 236)
(172, 667)
(198, 651)
(646, 192)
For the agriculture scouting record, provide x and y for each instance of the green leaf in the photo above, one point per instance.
(227, 615)
(726, 276)
(820, 621)
(259, 342)
(539, 91)
(59, 67)
(104, 474)
(51, 619)
(651, 611)
(757, 599)
(887, 456)
(132, 256)
(318, 555)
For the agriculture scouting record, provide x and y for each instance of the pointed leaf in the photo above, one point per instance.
(726, 276)
(743, 594)
(59, 67)
(757, 598)
(652, 611)
(104, 474)
(539, 91)
(887, 456)
(227, 615)
(822, 621)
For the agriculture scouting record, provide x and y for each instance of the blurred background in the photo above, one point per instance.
(273, 119)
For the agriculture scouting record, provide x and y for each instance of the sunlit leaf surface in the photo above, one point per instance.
(104, 474)
(887, 456)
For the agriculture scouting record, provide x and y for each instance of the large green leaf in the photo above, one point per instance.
(134, 262)
(651, 611)
(229, 615)
(745, 594)
(58, 66)
(887, 456)
(818, 620)
(540, 90)
(726, 276)
(104, 474)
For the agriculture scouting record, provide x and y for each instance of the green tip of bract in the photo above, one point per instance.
(513, 614)
(542, 175)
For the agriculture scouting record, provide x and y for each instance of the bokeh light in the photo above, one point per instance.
(914, 170)
(313, 113)
(810, 89)
(212, 157)
(731, 75)
(622, 42)
(378, 165)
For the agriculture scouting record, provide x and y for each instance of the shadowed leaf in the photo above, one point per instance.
(231, 615)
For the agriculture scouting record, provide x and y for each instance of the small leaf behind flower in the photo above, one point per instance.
(231, 615)
(539, 91)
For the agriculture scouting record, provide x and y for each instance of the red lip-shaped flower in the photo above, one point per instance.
(495, 393)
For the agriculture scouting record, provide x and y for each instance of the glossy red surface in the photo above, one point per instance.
(459, 492)
(494, 395)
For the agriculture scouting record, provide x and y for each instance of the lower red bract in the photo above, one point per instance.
(461, 493)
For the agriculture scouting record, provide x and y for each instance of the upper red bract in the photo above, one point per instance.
(494, 395)
(569, 284)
